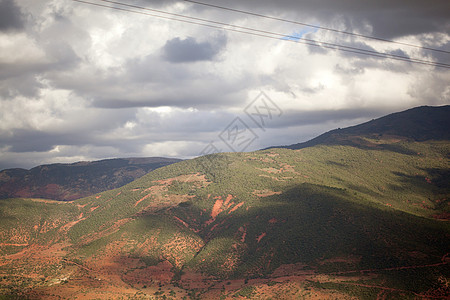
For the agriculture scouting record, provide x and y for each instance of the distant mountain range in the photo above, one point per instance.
(362, 213)
(77, 180)
(416, 124)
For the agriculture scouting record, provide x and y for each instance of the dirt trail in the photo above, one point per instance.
(391, 269)
(77, 264)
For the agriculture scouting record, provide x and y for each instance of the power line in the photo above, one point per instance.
(316, 26)
(321, 43)
(262, 33)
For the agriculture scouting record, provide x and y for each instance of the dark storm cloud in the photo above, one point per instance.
(150, 82)
(36, 141)
(96, 128)
(388, 18)
(182, 96)
(26, 85)
(11, 18)
(440, 56)
(190, 50)
(83, 79)
(306, 118)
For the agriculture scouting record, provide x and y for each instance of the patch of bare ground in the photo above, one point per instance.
(294, 289)
(109, 230)
(85, 287)
(160, 198)
(276, 178)
(444, 216)
(221, 206)
(283, 169)
(69, 225)
(198, 178)
(110, 265)
(159, 274)
(353, 260)
(297, 269)
(15, 245)
(265, 193)
(194, 280)
(164, 202)
(271, 170)
(288, 168)
(33, 263)
(291, 288)
(38, 253)
(111, 277)
(47, 201)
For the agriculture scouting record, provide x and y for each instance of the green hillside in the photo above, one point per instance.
(330, 220)
(422, 123)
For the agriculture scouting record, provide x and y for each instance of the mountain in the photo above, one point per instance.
(324, 222)
(73, 181)
(417, 124)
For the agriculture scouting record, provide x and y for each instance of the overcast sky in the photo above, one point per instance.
(79, 82)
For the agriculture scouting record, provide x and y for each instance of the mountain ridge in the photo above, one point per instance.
(70, 181)
(333, 221)
(419, 123)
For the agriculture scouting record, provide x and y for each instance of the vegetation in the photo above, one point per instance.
(65, 182)
(369, 220)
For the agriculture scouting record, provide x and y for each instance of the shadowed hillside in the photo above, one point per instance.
(77, 180)
(323, 222)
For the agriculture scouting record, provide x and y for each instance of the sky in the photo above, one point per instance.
(82, 82)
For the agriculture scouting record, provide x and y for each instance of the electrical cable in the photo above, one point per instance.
(263, 33)
(316, 26)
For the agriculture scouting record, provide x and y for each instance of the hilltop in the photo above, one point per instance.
(328, 221)
(66, 182)
(416, 124)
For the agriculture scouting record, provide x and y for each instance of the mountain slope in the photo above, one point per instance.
(325, 221)
(77, 180)
(418, 124)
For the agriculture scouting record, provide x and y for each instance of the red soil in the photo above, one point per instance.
(236, 207)
(94, 208)
(259, 238)
(228, 200)
(142, 199)
(181, 221)
(217, 208)
(265, 193)
(161, 273)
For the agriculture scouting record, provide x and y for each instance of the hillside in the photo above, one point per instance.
(330, 221)
(73, 181)
(416, 124)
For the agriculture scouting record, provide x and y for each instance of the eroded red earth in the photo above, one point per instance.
(112, 274)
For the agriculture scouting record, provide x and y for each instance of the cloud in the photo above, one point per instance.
(179, 50)
(11, 17)
(385, 18)
(79, 82)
